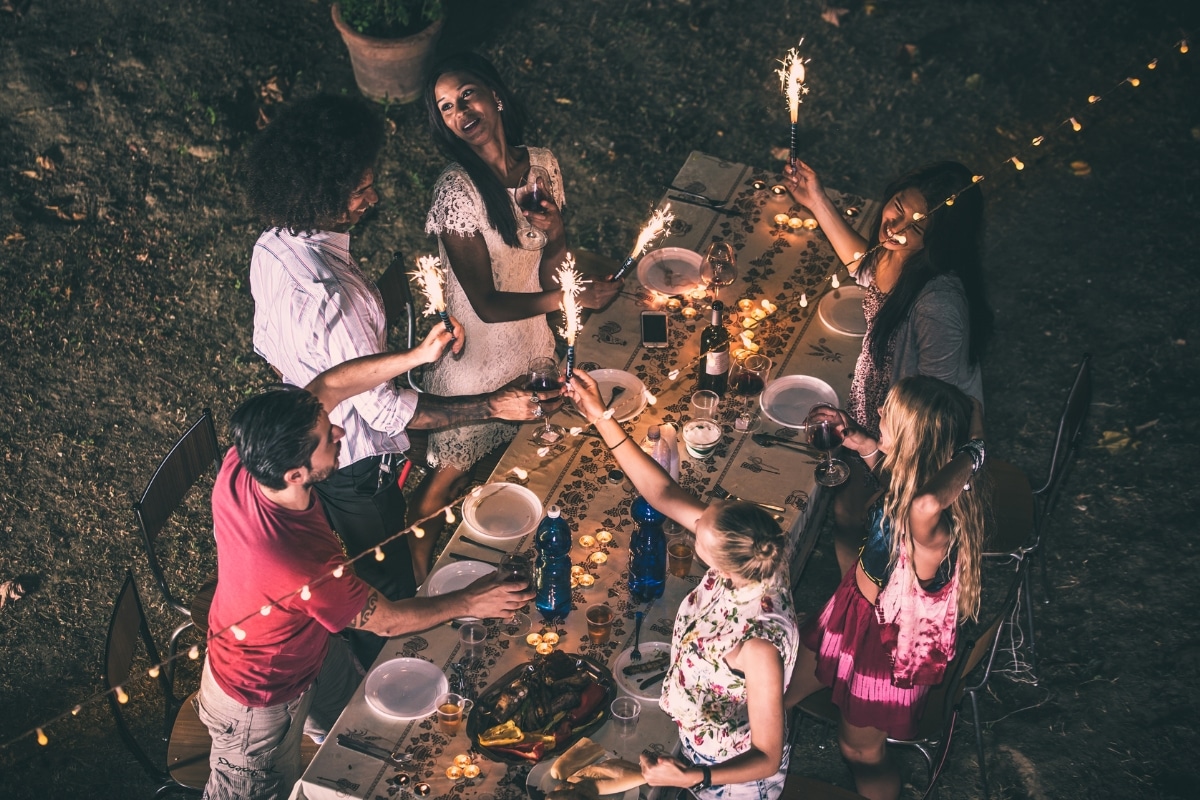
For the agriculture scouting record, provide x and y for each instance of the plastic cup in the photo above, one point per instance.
(599, 622)
(704, 404)
(679, 557)
(472, 637)
(451, 708)
(701, 437)
(625, 714)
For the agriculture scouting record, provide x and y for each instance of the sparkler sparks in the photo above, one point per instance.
(431, 282)
(791, 80)
(572, 285)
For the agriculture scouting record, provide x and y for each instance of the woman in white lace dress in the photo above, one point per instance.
(500, 291)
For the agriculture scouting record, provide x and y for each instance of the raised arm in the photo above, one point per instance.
(806, 189)
(486, 597)
(925, 514)
(472, 265)
(654, 484)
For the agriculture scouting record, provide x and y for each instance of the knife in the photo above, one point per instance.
(768, 440)
(469, 540)
(678, 198)
(653, 679)
(390, 757)
(464, 557)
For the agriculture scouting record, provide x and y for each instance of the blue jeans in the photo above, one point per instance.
(256, 751)
(766, 789)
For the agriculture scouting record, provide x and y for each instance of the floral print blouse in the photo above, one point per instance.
(705, 697)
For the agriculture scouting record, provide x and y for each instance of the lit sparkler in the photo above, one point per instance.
(431, 281)
(572, 285)
(657, 226)
(791, 83)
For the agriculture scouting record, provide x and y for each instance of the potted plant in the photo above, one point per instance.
(391, 43)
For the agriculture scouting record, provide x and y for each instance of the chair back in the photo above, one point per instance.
(196, 452)
(1066, 439)
(399, 307)
(1010, 522)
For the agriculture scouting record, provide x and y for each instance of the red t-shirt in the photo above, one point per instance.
(266, 552)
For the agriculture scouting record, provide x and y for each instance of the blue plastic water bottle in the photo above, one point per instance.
(647, 553)
(553, 568)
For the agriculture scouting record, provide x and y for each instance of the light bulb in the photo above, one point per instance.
(154, 671)
(804, 300)
(917, 216)
(418, 531)
(1183, 47)
(75, 711)
(1037, 140)
(450, 518)
(576, 430)
(339, 570)
(1093, 98)
(42, 738)
(976, 178)
(834, 281)
(1016, 162)
(122, 698)
(1075, 126)
(1153, 64)
(543, 452)
(1135, 82)
(305, 593)
(194, 652)
(857, 257)
(673, 374)
(238, 633)
(379, 554)
(265, 610)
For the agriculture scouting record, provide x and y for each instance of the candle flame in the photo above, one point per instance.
(791, 80)
(431, 281)
(572, 285)
(657, 226)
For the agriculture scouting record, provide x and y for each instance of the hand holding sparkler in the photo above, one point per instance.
(657, 226)
(431, 281)
(791, 83)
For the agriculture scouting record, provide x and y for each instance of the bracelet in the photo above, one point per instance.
(624, 439)
(978, 453)
(706, 781)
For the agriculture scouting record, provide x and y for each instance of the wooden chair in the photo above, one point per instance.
(196, 452)
(399, 308)
(935, 730)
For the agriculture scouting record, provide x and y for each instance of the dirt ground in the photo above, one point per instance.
(125, 308)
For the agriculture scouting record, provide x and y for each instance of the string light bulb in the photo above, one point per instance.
(418, 531)
(450, 518)
(834, 281)
(238, 633)
(122, 698)
(976, 178)
(1153, 64)
(266, 609)
(857, 257)
(379, 554)
(75, 711)
(673, 374)
(305, 593)
(154, 671)
(1183, 46)
(339, 570)
(1093, 99)
(1134, 82)
(1037, 140)
(950, 200)
(42, 738)
(194, 652)
(804, 299)
(1075, 126)
(1018, 163)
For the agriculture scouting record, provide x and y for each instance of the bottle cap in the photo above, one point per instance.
(553, 512)
(654, 432)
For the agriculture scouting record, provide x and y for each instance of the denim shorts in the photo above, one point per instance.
(766, 789)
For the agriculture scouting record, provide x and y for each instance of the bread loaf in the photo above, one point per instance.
(614, 776)
(576, 757)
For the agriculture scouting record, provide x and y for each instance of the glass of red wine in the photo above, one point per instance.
(747, 379)
(824, 435)
(516, 568)
(534, 188)
(544, 377)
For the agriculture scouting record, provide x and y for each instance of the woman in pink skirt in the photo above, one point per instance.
(886, 636)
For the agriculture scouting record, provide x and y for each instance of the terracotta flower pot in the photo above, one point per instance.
(389, 69)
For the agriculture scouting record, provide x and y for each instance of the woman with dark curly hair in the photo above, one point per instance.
(925, 303)
(499, 285)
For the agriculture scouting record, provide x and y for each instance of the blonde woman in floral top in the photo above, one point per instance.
(735, 640)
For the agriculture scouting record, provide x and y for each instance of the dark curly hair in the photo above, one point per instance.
(305, 165)
(953, 246)
(495, 197)
(274, 432)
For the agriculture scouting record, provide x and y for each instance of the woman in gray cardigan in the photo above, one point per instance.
(925, 304)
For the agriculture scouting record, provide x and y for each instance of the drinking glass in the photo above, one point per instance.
(680, 553)
(824, 435)
(625, 713)
(451, 708)
(747, 379)
(515, 567)
(544, 377)
(719, 266)
(534, 188)
(599, 622)
(472, 638)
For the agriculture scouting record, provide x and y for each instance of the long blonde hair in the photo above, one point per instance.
(928, 419)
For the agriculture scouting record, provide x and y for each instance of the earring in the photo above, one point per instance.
(499, 105)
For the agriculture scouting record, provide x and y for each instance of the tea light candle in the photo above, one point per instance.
(769, 307)
(521, 475)
(688, 313)
(587, 579)
(810, 223)
(779, 190)
(454, 772)
(741, 352)
(533, 639)
(574, 581)
(471, 771)
(758, 314)
(795, 223)
(550, 637)
(462, 760)
(781, 221)
(673, 304)
(587, 540)
(577, 570)
(604, 537)
(598, 557)
(759, 185)
(749, 322)
(422, 789)
(745, 304)
(752, 346)
(698, 293)
(544, 649)
(747, 338)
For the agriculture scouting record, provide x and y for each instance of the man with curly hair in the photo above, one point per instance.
(311, 176)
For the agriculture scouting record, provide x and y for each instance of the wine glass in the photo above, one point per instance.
(544, 377)
(516, 568)
(534, 188)
(719, 266)
(747, 379)
(824, 435)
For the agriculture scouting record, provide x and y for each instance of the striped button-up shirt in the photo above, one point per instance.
(314, 309)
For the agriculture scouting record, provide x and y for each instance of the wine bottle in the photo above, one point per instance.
(712, 373)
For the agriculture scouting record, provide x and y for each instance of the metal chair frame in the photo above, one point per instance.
(196, 451)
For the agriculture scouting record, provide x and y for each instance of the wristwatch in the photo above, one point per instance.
(706, 781)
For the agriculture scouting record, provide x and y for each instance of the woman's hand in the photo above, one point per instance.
(853, 436)
(667, 771)
(585, 394)
(599, 292)
(548, 219)
(435, 342)
(803, 184)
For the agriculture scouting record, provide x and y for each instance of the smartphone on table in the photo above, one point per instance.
(654, 329)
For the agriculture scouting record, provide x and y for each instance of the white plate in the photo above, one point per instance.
(670, 270)
(405, 688)
(788, 400)
(841, 310)
(631, 403)
(454, 576)
(629, 683)
(539, 782)
(503, 511)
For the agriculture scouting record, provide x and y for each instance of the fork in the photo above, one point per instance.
(721, 493)
(636, 654)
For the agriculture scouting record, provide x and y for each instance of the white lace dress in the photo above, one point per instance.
(495, 353)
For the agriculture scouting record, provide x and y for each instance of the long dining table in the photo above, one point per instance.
(791, 266)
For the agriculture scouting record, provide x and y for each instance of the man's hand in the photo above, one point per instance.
(434, 345)
(520, 405)
(599, 292)
(491, 597)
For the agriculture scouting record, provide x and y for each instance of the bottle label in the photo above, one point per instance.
(716, 362)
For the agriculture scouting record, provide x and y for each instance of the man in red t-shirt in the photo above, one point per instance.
(270, 677)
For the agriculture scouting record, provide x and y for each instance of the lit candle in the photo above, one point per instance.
(795, 223)
(577, 570)
(698, 293)
(598, 557)
(471, 771)
(587, 579)
(550, 637)
(462, 760)
(769, 307)
(673, 304)
(741, 352)
(781, 221)
(749, 322)
(587, 540)
(604, 537)
(688, 313)
(454, 772)
(758, 314)
(533, 639)
(810, 223)
(422, 789)
(544, 649)
(779, 190)
(752, 347)
(760, 185)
